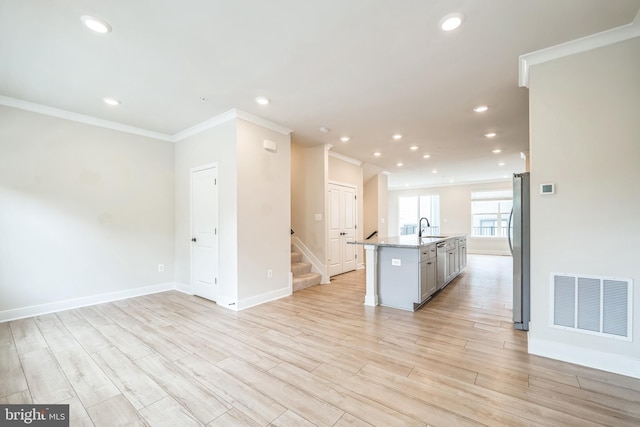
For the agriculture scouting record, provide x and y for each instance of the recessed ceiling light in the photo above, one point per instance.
(426, 156)
(399, 164)
(413, 148)
(377, 154)
(450, 181)
(490, 134)
(397, 136)
(324, 129)
(501, 164)
(434, 171)
(480, 108)
(111, 101)
(262, 100)
(345, 139)
(96, 24)
(451, 21)
(496, 151)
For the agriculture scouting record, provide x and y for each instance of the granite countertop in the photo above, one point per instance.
(412, 241)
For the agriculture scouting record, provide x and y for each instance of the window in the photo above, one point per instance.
(412, 208)
(490, 212)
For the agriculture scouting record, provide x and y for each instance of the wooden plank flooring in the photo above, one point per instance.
(317, 358)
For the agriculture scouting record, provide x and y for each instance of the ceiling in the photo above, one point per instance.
(366, 69)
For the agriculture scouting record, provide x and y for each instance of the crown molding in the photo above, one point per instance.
(262, 122)
(232, 114)
(207, 124)
(572, 47)
(80, 118)
(345, 158)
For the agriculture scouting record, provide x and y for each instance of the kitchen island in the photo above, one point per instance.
(406, 271)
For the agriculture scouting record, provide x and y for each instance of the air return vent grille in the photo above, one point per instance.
(593, 305)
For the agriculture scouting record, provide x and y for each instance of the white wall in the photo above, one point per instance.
(383, 204)
(455, 214)
(343, 172)
(217, 144)
(264, 214)
(309, 175)
(84, 211)
(375, 205)
(585, 135)
(370, 206)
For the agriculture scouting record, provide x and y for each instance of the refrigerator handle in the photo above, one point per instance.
(509, 231)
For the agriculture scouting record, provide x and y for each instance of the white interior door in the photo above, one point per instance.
(204, 231)
(342, 228)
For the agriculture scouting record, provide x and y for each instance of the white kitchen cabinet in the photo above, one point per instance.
(453, 266)
(428, 279)
(462, 252)
(408, 269)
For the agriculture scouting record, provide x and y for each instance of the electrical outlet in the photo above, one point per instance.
(269, 274)
(160, 268)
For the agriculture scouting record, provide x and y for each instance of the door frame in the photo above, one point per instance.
(193, 286)
(328, 212)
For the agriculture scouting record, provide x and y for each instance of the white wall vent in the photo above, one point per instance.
(593, 305)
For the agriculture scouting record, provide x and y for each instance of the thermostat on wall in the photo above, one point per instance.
(547, 188)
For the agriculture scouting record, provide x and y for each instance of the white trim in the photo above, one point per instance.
(193, 170)
(262, 298)
(316, 265)
(207, 124)
(262, 122)
(80, 118)
(486, 252)
(184, 288)
(572, 47)
(591, 358)
(232, 114)
(450, 184)
(227, 303)
(52, 307)
(371, 274)
(327, 225)
(346, 158)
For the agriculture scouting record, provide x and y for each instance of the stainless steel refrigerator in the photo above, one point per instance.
(519, 243)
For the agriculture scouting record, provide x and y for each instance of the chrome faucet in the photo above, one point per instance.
(420, 226)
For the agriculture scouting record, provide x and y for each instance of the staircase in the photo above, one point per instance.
(302, 275)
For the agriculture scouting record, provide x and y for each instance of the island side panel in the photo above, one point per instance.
(371, 296)
(398, 285)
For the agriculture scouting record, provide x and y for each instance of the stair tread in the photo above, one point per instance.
(306, 280)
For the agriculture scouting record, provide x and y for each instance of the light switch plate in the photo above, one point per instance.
(319, 217)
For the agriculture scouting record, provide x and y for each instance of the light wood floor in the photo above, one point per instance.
(319, 357)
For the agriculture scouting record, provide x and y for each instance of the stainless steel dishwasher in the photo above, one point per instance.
(441, 270)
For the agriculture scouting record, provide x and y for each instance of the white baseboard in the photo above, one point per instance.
(591, 358)
(266, 297)
(184, 288)
(316, 265)
(483, 252)
(38, 310)
(229, 303)
(360, 266)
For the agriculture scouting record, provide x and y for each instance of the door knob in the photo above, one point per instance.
(193, 240)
